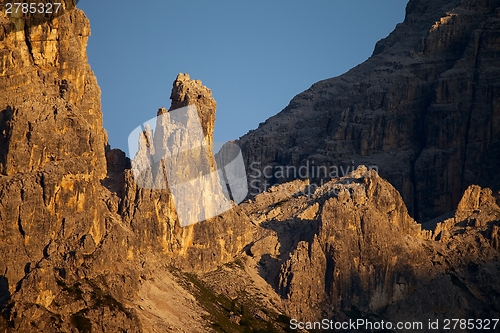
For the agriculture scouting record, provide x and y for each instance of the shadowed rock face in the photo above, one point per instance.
(424, 108)
(351, 249)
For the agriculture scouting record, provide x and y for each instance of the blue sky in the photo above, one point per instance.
(255, 56)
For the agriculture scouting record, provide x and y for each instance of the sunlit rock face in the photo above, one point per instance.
(191, 92)
(51, 138)
(53, 211)
(76, 228)
(174, 170)
(49, 97)
(424, 109)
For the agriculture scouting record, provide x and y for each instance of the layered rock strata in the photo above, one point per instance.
(76, 228)
(349, 249)
(423, 109)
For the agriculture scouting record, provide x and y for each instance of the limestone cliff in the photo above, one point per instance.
(53, 210)
(76, 229)
(423, 108)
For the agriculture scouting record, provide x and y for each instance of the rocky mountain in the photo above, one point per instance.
(351, 246)
(423, 110)
(88, 247)
(76, 229)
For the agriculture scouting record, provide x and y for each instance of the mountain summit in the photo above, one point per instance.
(423, 109)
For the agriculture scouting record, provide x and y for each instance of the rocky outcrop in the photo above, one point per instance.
(76, 228)
(182, 187)
(49, 88)
(55, 224)
(423, 109)
(351, 250)
(362, 248)
(191, 92)
(465, 251)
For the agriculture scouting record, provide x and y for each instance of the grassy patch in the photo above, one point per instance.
(221, 308)
(102, 299)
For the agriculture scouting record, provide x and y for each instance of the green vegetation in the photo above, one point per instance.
(101, 299)
(230, 315)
